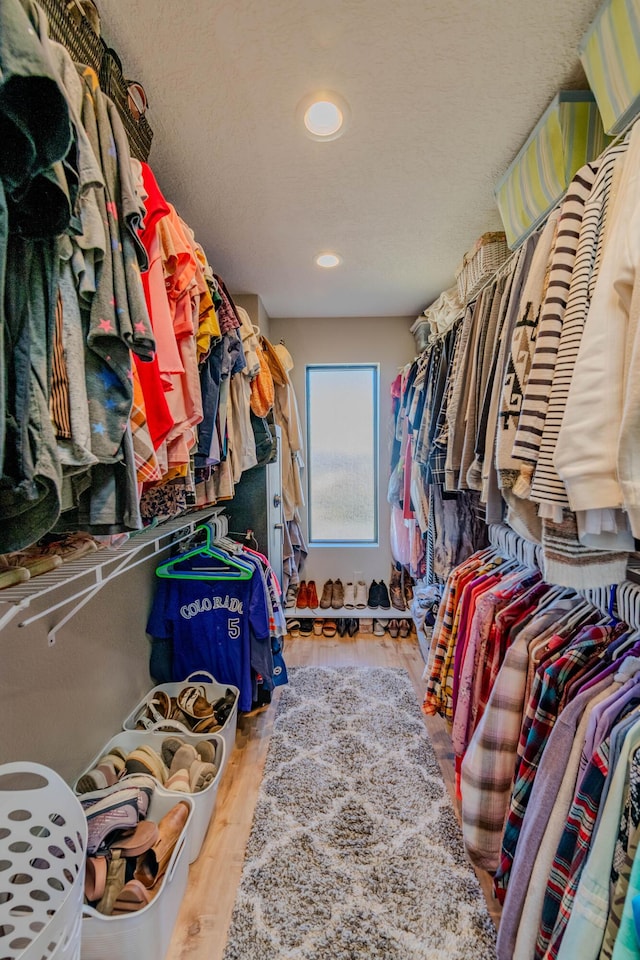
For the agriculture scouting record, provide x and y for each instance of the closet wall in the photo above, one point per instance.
(254, 306)
(383, 340)
(60, 704)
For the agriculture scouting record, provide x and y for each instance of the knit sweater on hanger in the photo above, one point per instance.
(536, 393)
(598, 453)
(547, 488)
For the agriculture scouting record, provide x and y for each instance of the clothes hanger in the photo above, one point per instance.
(170, 570)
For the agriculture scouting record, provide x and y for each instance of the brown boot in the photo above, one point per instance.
(312, 595)
(395, 589)
(302, 600)
(327, 591)
(151, 866)
(407, 587)
(337, 595)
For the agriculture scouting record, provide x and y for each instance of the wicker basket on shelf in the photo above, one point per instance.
(488, 253)
(69, 25)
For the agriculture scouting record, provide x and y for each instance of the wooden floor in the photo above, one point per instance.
(201, 928)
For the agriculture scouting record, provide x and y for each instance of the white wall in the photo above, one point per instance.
(60, 704)
(254, 306)
(383, 340)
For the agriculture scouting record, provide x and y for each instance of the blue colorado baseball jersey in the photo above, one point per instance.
(210, 623)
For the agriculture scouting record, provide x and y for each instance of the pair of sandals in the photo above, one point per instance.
(190, 708)
(399, 628)
(180, 766)
(127, 855)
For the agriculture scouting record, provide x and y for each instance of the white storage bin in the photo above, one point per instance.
(145, 934)
(213, 691)
(204, 803)
(43, 838)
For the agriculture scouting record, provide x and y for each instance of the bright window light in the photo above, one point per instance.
(342, 454)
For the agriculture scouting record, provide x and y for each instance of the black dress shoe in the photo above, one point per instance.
(342, 626)
(352, 626)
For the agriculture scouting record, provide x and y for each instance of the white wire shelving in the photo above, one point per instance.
(91, 572)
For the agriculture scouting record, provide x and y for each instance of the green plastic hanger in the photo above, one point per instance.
(237, 569)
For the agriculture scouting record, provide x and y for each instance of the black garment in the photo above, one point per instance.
(30, 487)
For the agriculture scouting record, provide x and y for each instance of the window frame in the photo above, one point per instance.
(375, 370)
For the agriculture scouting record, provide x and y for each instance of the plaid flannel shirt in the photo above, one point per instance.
(570, 856)
(553, 679)
(492, 600)
(583, 937)
(488, 765)
(626, 850)
(492, 655)
(574, 846)
(443, 632)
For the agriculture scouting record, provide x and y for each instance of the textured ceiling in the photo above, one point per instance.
(442, 96)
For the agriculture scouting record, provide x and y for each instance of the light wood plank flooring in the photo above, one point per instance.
(201, 928)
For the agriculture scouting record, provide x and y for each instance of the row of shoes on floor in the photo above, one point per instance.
(127, 854)
(349, 626)
(350, 596)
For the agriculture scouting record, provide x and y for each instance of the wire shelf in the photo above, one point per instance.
(91, 572)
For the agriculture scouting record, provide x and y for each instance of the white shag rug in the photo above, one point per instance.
(355, 851)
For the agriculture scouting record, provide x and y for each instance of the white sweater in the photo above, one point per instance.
(598, 450)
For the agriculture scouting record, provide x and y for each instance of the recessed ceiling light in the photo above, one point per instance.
(323, 118)
(324, 115)
(328, 260)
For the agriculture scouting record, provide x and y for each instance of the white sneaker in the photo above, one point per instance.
(378, 628)
(349, 596)
(361, 595)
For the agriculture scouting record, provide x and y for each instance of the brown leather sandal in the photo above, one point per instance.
(193, 702)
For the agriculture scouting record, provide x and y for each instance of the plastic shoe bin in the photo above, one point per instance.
(145, 934)
(213, 691)
(43, 838)
(204, 803)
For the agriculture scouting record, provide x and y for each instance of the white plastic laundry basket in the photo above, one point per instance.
(43, 838)
(213, 691)
(145, 934)
(204, 803)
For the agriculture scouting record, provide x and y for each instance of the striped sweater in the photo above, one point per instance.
(536, 395)
(547, 486)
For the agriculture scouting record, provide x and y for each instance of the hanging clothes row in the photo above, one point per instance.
(541, 689)
(530, 397)
(432, 528)
(218, 607)
(133, 386)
